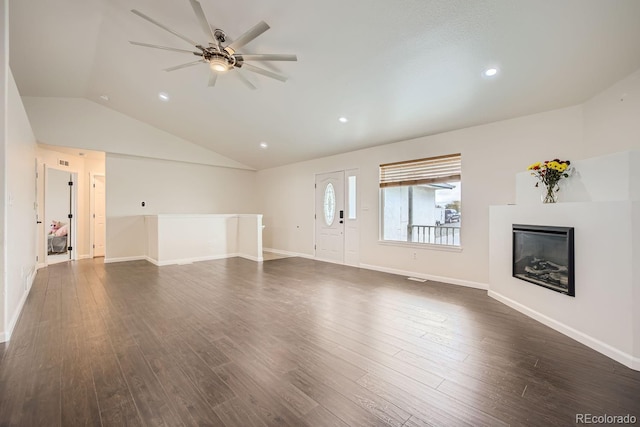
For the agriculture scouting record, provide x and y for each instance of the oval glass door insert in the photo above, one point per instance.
(329, 204)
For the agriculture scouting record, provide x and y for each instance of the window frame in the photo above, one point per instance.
(410, 173)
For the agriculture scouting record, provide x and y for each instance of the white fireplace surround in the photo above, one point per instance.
(601, 200)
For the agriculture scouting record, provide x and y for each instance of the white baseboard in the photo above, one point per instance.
(40, 265)
(124, 259)
(251, 257)
(85, 256)
(189, 260)
(449, 280)
(202, 258)
(599, 346)
(287, 253)
(6, 335)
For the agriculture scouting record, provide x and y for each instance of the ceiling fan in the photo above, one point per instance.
(220, 57)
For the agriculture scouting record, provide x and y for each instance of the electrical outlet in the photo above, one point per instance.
(415, 255)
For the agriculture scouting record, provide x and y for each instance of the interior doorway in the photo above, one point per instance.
(98, 215)
(336, 219)
(60, 215)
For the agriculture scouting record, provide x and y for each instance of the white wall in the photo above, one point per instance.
(167, 187)
(491, 155)
(250, 237)
(186, 238)
(611, 118)
(4, 83)
(635, 272)
(19, 203)
(80, 123)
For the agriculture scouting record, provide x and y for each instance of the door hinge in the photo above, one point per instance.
(36, 258)
(70, 183)
(94, 246)
(70, 216)
(70, 248)
(94, 215)
(94, 185)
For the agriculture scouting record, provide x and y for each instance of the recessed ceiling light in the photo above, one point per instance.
(104, 97)
(490, 72)
(264, 145)
(163, 96)
(343, 120)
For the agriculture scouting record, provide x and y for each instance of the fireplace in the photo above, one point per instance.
(543, 255)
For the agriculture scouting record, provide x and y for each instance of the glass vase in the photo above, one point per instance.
(550, 194)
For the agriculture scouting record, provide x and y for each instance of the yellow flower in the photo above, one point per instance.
(534, 166)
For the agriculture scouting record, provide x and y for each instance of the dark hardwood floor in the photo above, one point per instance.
(289, 342)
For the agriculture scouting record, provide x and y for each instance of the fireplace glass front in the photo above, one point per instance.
(544, 256)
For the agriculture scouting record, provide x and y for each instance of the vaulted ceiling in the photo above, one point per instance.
(394, 69)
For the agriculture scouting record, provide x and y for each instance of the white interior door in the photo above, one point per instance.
(330, 217)
(58, 207)
(98, 216)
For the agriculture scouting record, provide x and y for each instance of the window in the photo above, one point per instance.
(351, 190)
(420, 200)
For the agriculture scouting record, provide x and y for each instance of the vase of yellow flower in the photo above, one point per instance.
(550, 195)
(549, 173)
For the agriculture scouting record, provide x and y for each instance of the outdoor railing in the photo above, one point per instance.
(434, 234)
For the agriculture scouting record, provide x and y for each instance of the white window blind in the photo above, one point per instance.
(431, 170)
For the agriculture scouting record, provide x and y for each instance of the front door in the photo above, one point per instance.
(330, 217)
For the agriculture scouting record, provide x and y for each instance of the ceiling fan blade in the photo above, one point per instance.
(164, 27)
(213, 76)
(264, 72)
(269, 57)
(155, 46)
(245, 80)
(254, 32)
(188, 64)
(202, 19)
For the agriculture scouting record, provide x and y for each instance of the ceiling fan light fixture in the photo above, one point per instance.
(219, 64)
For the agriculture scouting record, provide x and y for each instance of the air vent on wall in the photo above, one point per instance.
(63, 162)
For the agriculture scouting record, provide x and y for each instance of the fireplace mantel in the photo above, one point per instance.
(607, 240)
